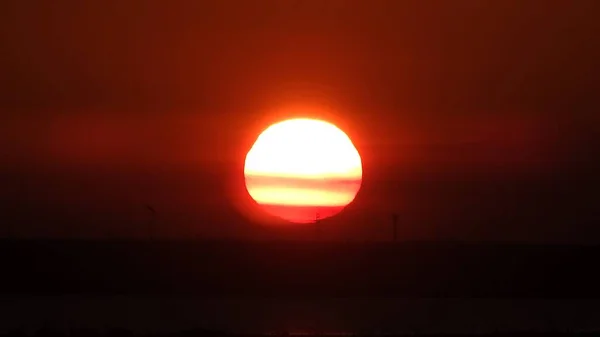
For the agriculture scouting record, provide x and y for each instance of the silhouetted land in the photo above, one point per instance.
(303, 269)
(209, 333)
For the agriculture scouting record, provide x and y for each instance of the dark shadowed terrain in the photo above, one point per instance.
(299, 269)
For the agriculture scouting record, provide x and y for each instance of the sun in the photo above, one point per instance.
(303, 170)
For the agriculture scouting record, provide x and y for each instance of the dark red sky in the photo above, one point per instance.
(476, 120)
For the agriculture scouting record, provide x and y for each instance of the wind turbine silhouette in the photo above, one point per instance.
(395, 226)
(152, 222)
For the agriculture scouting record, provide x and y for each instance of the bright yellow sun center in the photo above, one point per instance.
(303, 169)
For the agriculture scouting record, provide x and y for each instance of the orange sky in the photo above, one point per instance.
(486, 112)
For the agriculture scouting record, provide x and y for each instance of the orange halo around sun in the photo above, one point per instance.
(303, 169)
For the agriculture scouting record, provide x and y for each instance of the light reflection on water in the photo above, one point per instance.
(298, 316)
(310, 333)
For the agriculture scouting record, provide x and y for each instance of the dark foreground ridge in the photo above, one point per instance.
(118, 332)
(302, 269)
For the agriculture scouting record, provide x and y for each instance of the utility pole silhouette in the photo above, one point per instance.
(395, 226)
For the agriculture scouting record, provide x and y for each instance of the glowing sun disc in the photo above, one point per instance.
(303, 169)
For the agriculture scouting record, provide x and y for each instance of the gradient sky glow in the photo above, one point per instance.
(475, 120)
